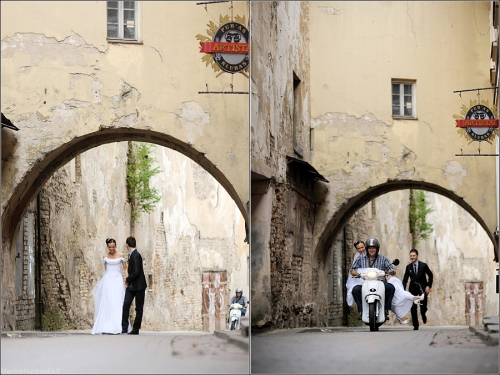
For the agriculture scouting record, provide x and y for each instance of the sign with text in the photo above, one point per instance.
(228, 50)
(478, 123)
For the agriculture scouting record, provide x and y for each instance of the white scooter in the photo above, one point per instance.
(373, 297)
(234, 316)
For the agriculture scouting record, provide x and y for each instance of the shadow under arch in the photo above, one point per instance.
(346, 211)
(52, 161)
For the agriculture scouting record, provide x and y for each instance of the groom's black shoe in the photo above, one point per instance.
(124, 331)
(134, 332)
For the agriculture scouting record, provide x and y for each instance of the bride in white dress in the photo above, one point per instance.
(402, 300)
(109, 293)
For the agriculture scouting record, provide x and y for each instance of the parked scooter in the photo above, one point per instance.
(234, 316)
(373, 297)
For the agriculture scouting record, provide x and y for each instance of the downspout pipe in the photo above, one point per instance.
(38, 265)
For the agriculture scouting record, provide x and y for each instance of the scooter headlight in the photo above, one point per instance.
(372, 275)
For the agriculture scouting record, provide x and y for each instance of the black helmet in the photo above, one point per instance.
(372, 242)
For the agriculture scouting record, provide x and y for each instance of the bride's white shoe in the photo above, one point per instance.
(420, 298)
(403, 321)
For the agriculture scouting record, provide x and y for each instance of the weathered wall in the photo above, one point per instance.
(96, 87)
(451, 252)
(284, 273)
(196, 227)
(357, 143)
(355, 49)
(69, 90)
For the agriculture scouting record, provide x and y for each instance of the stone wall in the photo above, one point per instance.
(195, 228)
(284, 273)
(458, 251)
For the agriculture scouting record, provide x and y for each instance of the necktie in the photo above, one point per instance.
(415, 268)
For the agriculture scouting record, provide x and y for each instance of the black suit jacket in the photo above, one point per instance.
(421, 279)
(136, 279)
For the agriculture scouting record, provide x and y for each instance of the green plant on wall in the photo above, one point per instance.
(140, 169)
(52, 320)
(419, 208)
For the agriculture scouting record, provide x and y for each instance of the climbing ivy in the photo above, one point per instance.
(139, 172)
(419, 208)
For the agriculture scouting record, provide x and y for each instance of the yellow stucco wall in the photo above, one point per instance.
(62, 80)
(356, 49)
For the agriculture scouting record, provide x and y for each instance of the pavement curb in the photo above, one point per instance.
(490, 338)
(234, 337)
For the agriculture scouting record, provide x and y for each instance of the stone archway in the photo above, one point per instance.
(24, 192)
(460, 251)
(347, 210)
(35, 180)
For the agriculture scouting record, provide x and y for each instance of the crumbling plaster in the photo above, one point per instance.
(69, 82)
(272, 91)
(358, 145)
(457, 251)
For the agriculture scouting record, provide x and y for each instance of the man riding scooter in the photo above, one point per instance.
(372, 259)
(241, 299)
(237, 309)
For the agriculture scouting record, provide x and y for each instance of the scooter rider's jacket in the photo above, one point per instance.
(380, 262)
(242, 300)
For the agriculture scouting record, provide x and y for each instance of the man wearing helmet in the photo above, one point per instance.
(241, 299)
(372, 259)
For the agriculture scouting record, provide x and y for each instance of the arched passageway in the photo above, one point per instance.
(458, 251)
(344, 213)
(64, 252)
(41, 172)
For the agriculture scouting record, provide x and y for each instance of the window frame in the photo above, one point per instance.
(401, 94)
(120, 38)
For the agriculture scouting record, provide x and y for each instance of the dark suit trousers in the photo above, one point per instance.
(389, 293)
(139, 306)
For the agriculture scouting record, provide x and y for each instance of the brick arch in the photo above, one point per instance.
(40, 172)
(347, 210)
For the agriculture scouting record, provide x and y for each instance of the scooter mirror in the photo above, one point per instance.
(395, 262)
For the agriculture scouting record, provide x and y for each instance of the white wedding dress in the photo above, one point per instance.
(109, 294)
(402, 300)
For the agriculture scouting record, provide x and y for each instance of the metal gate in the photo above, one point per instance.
(214, 301)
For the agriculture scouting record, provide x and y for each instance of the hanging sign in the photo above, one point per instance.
(478, 123)
(228, 50)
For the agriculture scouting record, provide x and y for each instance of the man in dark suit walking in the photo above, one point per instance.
(420, 283)
(135, 288)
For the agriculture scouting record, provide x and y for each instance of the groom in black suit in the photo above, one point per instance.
(136, 288)
(419, 284)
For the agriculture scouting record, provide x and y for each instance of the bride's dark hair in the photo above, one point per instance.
(110, 240)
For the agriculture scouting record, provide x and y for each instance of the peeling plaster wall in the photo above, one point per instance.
(457, 251)
(196, 227)
(357, 143)
(279, 49)
(61, 79)
(284, 271)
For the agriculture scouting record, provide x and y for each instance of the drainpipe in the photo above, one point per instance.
(345, 274)
(38, 266)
